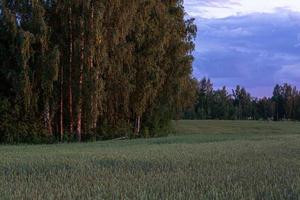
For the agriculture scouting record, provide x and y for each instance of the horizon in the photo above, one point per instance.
(249, 43)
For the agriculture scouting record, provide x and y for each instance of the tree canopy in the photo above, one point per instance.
(90, 69)
(240, 105)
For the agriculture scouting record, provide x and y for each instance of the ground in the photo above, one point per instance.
(202, 160)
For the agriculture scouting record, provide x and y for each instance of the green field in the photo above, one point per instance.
(202, 160)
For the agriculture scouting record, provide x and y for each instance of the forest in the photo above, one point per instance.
(219, 104)
(86, 70)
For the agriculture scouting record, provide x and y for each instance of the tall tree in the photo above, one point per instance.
(94, 69)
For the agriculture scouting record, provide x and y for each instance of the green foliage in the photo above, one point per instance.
(95, 69)
(15, 128)
(118, 130)
(240, 105)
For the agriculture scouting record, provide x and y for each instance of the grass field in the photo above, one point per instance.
(202, 160)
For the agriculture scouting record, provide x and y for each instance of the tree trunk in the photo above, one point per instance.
(79, 114)
(137, 125)
(61, 120)
(70, 92)
(47, 118)
(91, 66)
(277, 113)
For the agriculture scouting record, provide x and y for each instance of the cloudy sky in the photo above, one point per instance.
(254, 43)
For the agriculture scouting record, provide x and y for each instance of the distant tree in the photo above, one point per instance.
(278, 100)
(297, 107)
(205, 97)
(242, 101)
(218, 104)
(221, 104)
(264, 108)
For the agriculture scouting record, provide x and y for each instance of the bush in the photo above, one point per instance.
(15, 128)
(110, 131)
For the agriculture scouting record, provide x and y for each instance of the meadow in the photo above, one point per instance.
(201, 160)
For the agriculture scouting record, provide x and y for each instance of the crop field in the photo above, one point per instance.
(201, 160)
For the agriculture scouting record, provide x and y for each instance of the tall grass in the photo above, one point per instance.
(203, 160)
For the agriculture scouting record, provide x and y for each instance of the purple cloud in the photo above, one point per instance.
(210, 3)
(256, 50)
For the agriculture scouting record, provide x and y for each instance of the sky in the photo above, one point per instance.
(252, 43)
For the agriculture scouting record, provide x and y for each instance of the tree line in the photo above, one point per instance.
(240, 105)
(90, 69)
